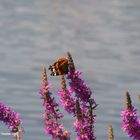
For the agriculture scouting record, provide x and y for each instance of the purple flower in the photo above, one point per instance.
(78, 85)
(85, 104)
(10, 118)
(55, 129)
(67, 101)
(52, 114)
(84, 116)
(83, 130)
(130, 122)
(84, 123)
(49, 102)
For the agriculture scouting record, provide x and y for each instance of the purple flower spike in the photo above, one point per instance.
(78, 85)
(10, 118)
(85, 104)
(83, 131)
(49, 102)
(130, 122)
(84, 124)
(55, 129)
(84, 116)
(52, 114)
(66, 99)
(82, 91)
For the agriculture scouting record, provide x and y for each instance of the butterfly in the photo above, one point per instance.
(60, 67)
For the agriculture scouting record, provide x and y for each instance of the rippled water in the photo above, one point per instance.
(103, 37)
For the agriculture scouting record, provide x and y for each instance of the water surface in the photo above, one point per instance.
(103, 38)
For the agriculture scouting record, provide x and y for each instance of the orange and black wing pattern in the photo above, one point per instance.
(60, 67)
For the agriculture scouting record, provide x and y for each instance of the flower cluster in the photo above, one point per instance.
(85, 125)
(76, 100)
(10, 118)
(66, 99)
(130, 122)
(84, 115)
(82, 91)
(52, 114)
(55, 129)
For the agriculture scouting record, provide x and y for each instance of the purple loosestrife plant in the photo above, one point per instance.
(52, 114)
(81, 106)
(87, 104)
(130, 122)
(84, 123)
(66, 99)
(12, 120)
(82, 91)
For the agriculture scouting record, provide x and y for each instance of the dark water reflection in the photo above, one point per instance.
(103, 37)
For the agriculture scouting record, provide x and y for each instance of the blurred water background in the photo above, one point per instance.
(103, 37)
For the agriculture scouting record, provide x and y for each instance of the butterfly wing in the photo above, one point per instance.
(60, 67)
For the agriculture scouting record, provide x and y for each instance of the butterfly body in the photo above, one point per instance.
(60, 67)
